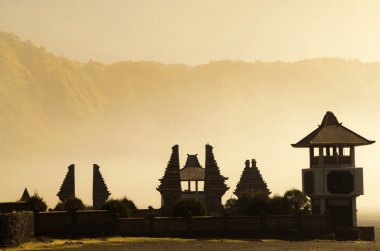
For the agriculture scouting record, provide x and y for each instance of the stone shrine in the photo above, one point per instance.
(251, 181)
(205, 185)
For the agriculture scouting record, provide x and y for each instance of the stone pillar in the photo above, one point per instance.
(321, 157)
(352, 155)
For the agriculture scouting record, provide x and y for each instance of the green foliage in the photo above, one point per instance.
(73, 204)
(59, 207)
(124, 207)
(278, 206)
(230, 203)
(293, 202)
(37, 203)
(296, 201)
(257, 204)
(188, 207)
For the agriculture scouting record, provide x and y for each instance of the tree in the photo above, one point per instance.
(296, 201)
(230, 203)
(188, 207)
(277, 205)
(124, 207)
(59, 207)
(242, 203)
(73, 204)
(37, 203)
(258, 204)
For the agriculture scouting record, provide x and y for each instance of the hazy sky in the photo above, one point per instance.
(195, 32)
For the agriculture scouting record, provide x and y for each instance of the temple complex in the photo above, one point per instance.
(100, 191)
(67, 189)
(205, 185)
(332, 180)
(25, 196)
(251, 181)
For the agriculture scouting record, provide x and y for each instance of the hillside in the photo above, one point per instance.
(127, 114)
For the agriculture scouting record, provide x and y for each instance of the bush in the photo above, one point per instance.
(297, 202)
(37, 203)
(293, 202)
(59, 207)
(186, 207)
(124, 207)
(278, 205)
(73, 204)
(258, 204)
(230, 203)
(16, 228)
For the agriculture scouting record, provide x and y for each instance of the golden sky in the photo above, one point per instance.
(197, 31)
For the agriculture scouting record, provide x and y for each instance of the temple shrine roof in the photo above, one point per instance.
(333, 133)
(192, 169)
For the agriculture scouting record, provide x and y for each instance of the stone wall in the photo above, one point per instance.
(105, 223)
(76, 224)
(249, 226)
(8, 207)
(16, 228)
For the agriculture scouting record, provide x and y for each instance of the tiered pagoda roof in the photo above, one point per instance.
(213, 179)
(192, 170)
(171, 179)
(100, 191)
(332, 133)
(251, 181)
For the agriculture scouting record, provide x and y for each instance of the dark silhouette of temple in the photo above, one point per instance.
(251, 181)
(191, 174)
(100, 191)
(25, 196)
(332, 181)
(67, 189)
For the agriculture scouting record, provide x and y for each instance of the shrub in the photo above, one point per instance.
(59, 207)
(73, 204)
(186, 207)
(297, 202)
(37, 203)
(278, 205)
(258, 204)
(124, 207)
(230, 203)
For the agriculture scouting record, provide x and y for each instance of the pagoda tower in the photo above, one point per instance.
(251, 181)
(100, 191)
(332, 180)
(214, 186)
(68, 186)
(170, 184)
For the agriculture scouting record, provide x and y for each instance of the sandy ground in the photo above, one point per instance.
(169, 244)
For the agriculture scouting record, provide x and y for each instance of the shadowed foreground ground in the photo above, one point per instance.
(168, 244)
